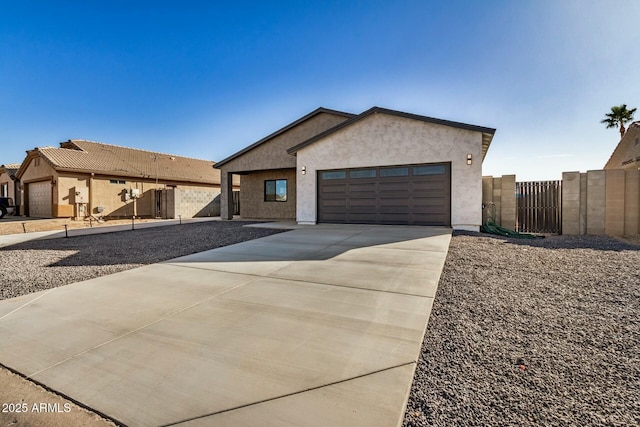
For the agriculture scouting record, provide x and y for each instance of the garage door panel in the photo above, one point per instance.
(335, 189)
(429, 201)
(405, 194)
(365, 203)
(394, 218)
(39, 194)
(330, 217)
(394, 186)
(429, 186)
(368, 187)
(362, 218)
(333, 203)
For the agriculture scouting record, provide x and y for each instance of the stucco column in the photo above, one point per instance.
(226, 195)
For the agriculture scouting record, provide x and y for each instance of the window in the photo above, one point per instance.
(36, 162)
(334, 175)
(275, 190)
(429, 170)
(394, 172)
(362, 173)
(117, 181)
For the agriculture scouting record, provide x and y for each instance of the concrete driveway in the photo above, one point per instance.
(319, 326)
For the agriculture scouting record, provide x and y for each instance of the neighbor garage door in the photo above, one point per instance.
(39, 194)
(408, 194)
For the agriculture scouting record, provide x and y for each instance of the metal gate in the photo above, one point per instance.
(539, 207)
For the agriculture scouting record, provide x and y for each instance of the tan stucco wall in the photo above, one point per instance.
(110, 196)
(5, 179)
(382, 139)
(273, 154)
(627, 153)
(252, 204)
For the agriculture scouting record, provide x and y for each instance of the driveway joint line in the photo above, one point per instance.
(164, 317)
(27, 303)
(289, 394)
(267, 276)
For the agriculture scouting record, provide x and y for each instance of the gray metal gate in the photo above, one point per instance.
(539, 207)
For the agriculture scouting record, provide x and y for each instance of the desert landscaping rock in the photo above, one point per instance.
(530, 333)
(522, 332)
(43, 264)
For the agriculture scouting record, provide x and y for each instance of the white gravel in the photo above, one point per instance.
(43, 264)
(532, 333)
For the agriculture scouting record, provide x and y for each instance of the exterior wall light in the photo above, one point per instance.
(469, 159)
(304, 170)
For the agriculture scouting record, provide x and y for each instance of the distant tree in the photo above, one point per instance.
(619, 116)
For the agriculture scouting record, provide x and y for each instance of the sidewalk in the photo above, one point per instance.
(12, 239)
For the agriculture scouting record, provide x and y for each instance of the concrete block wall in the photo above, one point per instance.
(601, 202)
(191, 202)
(595, 202)
(508, 207)
(501, 192)
(632, 202)
(571, 203)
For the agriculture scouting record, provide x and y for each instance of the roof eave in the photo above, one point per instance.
(374, 110)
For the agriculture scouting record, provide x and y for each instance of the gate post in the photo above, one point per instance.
(509, 212)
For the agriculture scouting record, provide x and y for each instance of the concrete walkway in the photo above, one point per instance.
(319, 326)
(12, 239)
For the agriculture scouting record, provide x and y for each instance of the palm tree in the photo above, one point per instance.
(619, 116)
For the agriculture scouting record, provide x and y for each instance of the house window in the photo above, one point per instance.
(394, 172)
(362, 173)
(4, 190)
(429, 170)
(275, 190)
(117, 181)
(334, 175)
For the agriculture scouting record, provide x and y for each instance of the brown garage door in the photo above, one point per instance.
(408, 194)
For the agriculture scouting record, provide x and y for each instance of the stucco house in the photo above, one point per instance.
(381, 166)
(7, 180)
(627, 153)
(85, 178)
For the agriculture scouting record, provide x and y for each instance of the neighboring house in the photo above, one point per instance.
(8, 181)
(627, 153)
(85, 178)
(381, 167)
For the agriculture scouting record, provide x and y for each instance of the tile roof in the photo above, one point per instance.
(10, 168)
(89, 156)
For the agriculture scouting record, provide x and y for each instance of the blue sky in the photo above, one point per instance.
(206, 78)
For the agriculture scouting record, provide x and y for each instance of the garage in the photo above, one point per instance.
(414, 194)
(39, 194)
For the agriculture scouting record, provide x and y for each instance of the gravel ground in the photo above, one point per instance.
(43, 264)
(531, 333)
